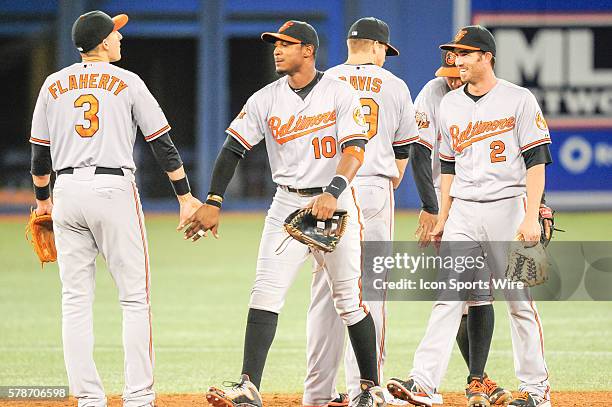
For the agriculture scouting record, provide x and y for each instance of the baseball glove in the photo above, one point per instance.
(321, 235)
(39, 231)
(547, 224)
(529, 265)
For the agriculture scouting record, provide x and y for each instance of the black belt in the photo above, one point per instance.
(303, 191)
(99, 170)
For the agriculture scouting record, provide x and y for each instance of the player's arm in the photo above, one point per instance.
(40, 166)
(324, 205)
(420, 160)
(447, 176)
(402, 154)
(40, 169)
(207, 217)
(169, 160)
(401, 165)
(446, 200)
(534, 139)
(536, 160)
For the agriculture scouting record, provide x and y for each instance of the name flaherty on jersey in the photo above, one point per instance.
(105, 105)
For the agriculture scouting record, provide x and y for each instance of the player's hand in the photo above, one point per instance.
(323, 206)
(529, 231)
(396, 181)
(436, 234)
(546, 214)
(204, 219)
(188, 205)
(44, 207)
(427, 222)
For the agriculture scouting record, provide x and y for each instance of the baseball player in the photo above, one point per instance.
(392, 132)
(479, 313)
(315, 136)
(84, 129)
(493, 154)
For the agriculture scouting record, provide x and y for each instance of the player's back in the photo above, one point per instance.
(92, 110)
(388, 111)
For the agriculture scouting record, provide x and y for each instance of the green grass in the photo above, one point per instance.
(200, 294)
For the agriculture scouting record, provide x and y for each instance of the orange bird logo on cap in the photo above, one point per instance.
(459, 35)
(450, 58)
(285, 26)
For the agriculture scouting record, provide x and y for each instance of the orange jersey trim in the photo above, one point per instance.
(39, 140)
(406, 141)
(240, 138)
(545, 140)
(158, 132)
(353, 136)
(424, 143)
(446, 157)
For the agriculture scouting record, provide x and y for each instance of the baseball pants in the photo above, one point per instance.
(101, 214)
(280, 259)
(480, 222)
(325, 331)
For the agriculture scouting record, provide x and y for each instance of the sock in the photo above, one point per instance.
(363, 340)
(480, 324)
(260, 331)
(463, 340)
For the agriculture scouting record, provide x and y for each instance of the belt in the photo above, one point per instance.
(99, 170)
(303, 191)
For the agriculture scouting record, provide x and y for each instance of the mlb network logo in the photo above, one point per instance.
(563, 59)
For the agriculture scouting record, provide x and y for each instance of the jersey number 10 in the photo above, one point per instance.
(91, 115)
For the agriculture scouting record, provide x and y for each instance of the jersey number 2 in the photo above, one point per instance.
(497, 148)
(90, 115)
(371, 117)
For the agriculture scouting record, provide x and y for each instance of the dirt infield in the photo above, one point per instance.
(559, 399)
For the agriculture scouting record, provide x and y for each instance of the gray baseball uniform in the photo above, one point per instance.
(485, 140)
(389, 113)
(88, 114)
(303, 139)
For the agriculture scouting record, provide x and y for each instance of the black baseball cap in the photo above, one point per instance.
(472, 38)
(370, 28)
(448, 68)
(296, 32)
(91, 28)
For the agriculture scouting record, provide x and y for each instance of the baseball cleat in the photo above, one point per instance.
(371, 395)
(411, 392)
(498, 396)
(341, 401)
(530, 400)
(242, 394)
(476, 393)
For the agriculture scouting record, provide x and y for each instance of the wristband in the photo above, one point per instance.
(42, 193)
(337, 185)
(181, 186)
(214, 200)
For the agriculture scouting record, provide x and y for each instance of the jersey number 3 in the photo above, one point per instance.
(371, 117)
(91, 115)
